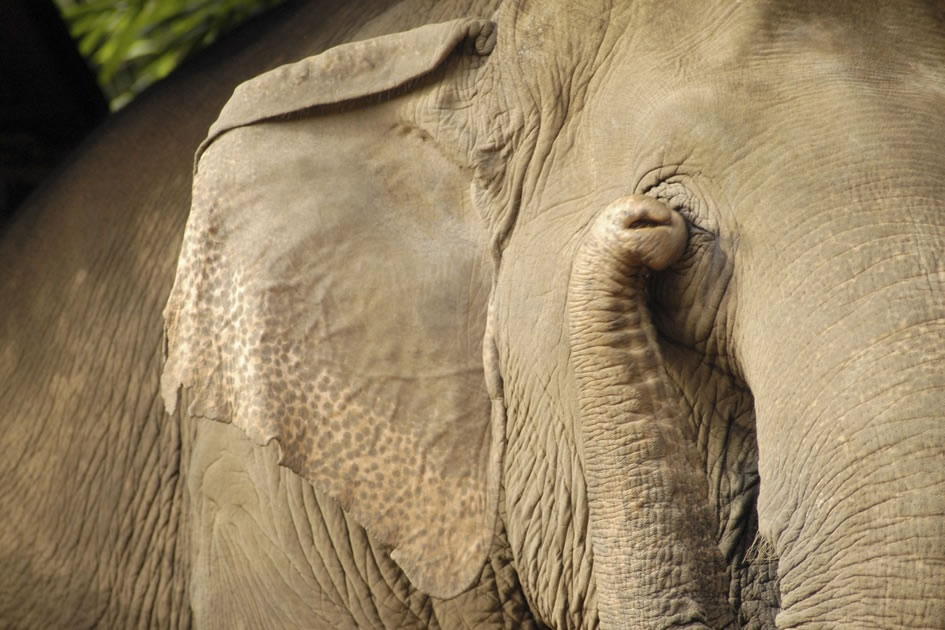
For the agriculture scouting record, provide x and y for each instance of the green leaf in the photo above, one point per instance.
(142, 48)
(133, 43)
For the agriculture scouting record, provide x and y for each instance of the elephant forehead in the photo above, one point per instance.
(732, 62)
(766, 105)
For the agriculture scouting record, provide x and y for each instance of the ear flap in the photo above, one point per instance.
(331, 295)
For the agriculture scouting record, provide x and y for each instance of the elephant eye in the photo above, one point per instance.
(689, 203)
(694, 226)
(694, 221)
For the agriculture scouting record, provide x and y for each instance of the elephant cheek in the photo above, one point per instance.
(847, 371)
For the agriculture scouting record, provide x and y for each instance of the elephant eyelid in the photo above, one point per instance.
(692, 220)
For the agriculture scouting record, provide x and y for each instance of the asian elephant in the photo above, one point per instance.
(618, 315)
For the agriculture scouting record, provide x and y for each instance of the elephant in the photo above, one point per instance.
(500, 314)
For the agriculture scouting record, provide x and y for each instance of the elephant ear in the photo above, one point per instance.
(332, 290)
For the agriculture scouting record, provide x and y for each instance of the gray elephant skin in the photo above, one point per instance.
(493, 314)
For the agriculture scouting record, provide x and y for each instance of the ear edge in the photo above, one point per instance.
(301, 85)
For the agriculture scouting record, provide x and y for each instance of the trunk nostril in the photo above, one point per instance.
(637, 211)
(641, 231)
(643, 223)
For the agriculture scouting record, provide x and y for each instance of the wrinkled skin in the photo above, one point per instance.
(701, 318)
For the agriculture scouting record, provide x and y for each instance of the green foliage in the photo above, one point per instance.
(133, 43)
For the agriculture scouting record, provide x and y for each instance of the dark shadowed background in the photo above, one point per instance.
(65, 63)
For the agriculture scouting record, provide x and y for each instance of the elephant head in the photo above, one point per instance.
(666, 277)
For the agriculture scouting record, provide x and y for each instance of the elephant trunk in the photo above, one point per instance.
(656, 561)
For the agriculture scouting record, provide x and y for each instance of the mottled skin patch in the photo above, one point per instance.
(268, 337)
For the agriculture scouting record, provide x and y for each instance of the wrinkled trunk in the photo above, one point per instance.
(656, 562)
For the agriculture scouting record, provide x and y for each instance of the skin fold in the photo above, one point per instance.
(608, 315)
